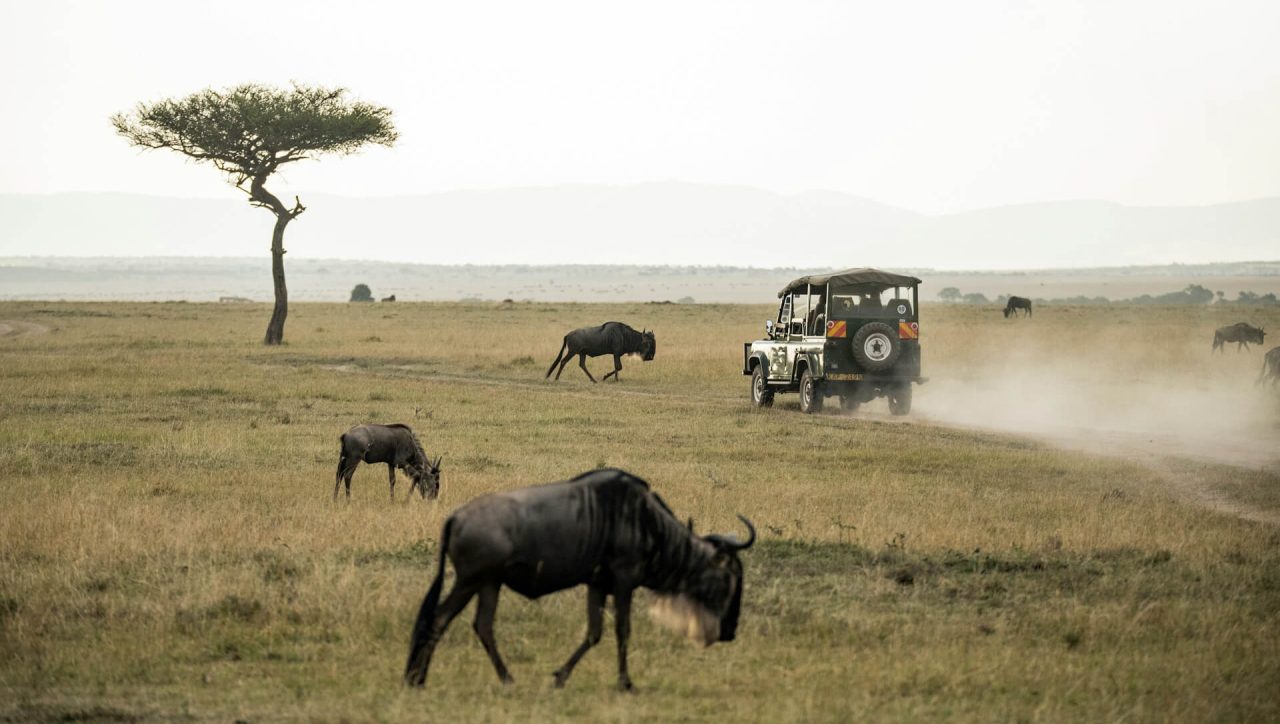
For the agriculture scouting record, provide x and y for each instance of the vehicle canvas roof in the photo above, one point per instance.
(865, 275)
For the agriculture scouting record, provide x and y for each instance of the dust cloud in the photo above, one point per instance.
(1116, 400)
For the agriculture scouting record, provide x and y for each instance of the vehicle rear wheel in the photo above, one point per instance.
(810, 395)
(900, 398)
(876, 346)
(761, 395)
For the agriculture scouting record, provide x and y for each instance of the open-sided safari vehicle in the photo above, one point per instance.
(854, 334)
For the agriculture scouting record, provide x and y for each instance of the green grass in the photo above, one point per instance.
(168, 548)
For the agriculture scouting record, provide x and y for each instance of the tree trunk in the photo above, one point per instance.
(275, 328)
(259, 196)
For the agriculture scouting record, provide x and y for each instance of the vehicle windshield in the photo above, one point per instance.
(803, 312)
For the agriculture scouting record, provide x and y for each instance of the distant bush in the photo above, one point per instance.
(1252, 298)
(361, 293)
(1193, 294)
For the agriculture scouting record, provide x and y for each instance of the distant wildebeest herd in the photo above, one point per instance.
(1242, 333)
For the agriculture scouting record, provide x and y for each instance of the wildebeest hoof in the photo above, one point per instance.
(560, 679)
(625, 685)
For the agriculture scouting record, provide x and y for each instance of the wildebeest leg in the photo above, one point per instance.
(486, 607)
(617, 367)
(563, 362)
(391, 474)
(582, 362)
(346, 479)
(420, 658)
(622, 629)
(337, 478)
(346, 469)
(595, 626)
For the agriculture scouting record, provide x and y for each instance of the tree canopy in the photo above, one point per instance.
(251, 130)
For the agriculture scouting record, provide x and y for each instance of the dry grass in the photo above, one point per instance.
(168, 548)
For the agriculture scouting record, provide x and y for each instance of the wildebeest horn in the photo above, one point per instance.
(751, 529)
(731, 543)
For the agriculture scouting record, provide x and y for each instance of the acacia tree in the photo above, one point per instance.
(250, 131)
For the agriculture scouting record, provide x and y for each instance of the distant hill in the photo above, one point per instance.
(645, 224)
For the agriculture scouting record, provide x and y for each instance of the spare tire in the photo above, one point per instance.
(876, 346)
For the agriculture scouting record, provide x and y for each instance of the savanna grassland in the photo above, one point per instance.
(169, 548)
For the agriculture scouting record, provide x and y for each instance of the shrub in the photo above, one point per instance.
(361, 293)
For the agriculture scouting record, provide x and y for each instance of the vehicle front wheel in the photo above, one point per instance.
(810, 395)
(900, 399)
(761, 395)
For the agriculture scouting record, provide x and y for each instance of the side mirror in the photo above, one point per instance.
(768, 327)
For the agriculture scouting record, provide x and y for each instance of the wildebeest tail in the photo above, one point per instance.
(563, 345)
(415, 669)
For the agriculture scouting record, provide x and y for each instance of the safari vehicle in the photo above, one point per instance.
(853, 334)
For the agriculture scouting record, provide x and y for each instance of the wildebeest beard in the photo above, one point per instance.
(681, 614)
(706, 608)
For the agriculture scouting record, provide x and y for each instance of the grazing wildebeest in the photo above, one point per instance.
(1270, 367)
(613, 338)
(605, 529)
(391, 298)
(1016, 303)
(1241, 333)
(395, 445)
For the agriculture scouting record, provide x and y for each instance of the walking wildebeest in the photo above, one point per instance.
(1270, 367)
(1016, 303)
(395, 445)
(613, 338)
(605, 529)
(1241, 333)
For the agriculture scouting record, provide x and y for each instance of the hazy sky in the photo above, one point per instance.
(935, 107)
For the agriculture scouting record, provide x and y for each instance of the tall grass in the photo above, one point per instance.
(168, 547)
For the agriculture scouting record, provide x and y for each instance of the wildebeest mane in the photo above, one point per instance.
(417, 444)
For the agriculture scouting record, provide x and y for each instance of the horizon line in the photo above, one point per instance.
(637, 184)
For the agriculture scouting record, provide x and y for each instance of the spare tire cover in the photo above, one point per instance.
(876, 346)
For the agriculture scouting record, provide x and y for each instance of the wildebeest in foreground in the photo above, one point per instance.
(395, 445)
(1016, 303)
(1241, 333)
(1270, 367)
(605, 529)
(613, 338)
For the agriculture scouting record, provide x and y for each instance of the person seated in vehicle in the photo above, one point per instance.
(818, 317)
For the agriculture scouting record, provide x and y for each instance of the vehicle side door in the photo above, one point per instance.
(781, 351)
